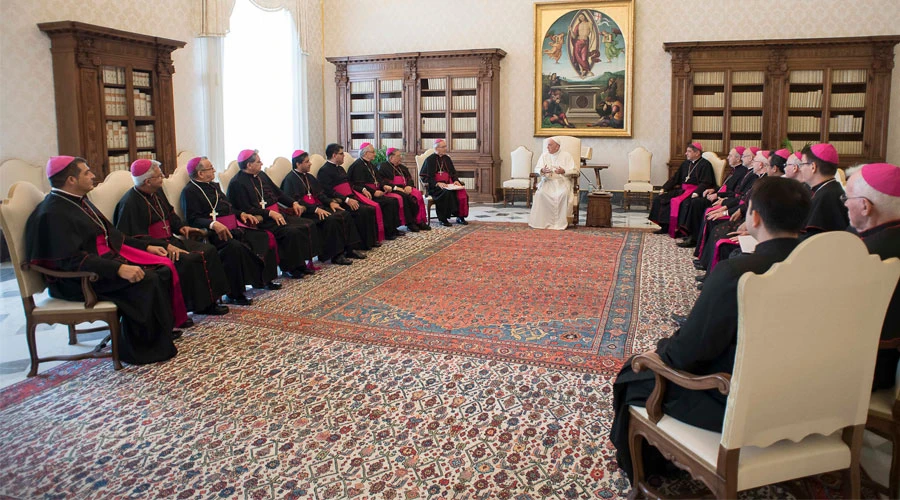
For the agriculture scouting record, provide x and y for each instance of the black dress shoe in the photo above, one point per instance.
(400, 233)
(687, 243)
(187, 323)
(679, 319)
(295, 274)
(661, 230)
(413, 228)
(445, 222)
(353, 254)
(273, 285)
(215, 310)
(460, 220)
(176, 334)
(700, 286)
(238, 300)
(696, 262)
(425, 227)
(701, 278)
(698, 266)
(391, 237)
(341, 260)
(306, 270)
(376, 244)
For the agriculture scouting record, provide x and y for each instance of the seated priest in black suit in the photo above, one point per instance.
(336, 185)
(339, 235)
(817, 170)
(144, 212)
(67, 233)
(706, 343)
(392, 172)
(249, 254)
(363, 178)
(873, 201)
(253, 192)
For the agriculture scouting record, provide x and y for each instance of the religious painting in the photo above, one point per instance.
(583, 68)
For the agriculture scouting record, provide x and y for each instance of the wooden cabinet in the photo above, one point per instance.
(114, 99)
(407, 100)
(761, 93)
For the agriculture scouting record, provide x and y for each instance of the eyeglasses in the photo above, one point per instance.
(804, 163)
(844, 198)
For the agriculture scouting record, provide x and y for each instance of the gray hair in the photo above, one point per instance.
(364, 150)
(887, 204)
(139, 180)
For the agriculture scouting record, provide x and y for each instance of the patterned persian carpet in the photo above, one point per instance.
(468, 362)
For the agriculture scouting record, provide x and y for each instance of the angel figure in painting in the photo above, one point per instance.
(556, 43)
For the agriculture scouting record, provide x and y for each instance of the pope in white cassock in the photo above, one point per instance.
(554, 198)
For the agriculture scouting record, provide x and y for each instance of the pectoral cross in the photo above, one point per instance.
(213, 214)
(262, 204)
(166, 227)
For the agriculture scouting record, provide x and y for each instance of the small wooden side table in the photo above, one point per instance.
(599, 210)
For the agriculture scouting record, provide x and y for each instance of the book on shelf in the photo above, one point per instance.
(431, 125)
(463, 102)
(391, 104)
(746, 99)
(848, 76)
(709, 78)
(811, 99)
(747, 143)
(119, 162)
(143, 105)
(434, 103)
(804, 124)
(116, 135)
(114, 102)
(464, 144)
(806, 77)
(364, 87)
(854, 148)
(465, 124)
(140, 79)
(362, 125)
(464, 83)
(748, 78)
(714, 145)
(716, 100)
(391, 86)
(392, 125)
(362, 105)
(144, 136)
(707, 123)
(854, 100)
(113, 75)
(436, 84)
(146, 155)
(746, 124)
(845, 124)
(392, 143)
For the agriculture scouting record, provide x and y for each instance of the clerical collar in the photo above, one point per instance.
(893, 224)
(820, 185)
(67, 194)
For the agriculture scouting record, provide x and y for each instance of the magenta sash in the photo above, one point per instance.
(422, 216)
(310, 199)
(719, 245)
(159, 230)
(345, 190)
(400, 204)
(399, 180)
(706, 226)
(461, 195)
(145, 258)
(675, 205)
(232, 222)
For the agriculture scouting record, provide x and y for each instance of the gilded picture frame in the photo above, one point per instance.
(584, 68)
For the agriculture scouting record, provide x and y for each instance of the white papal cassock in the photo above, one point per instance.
(554, 198)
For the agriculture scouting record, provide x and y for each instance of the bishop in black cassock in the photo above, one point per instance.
(253, 192)
(339, 235)
(364, 179)
(691, 219)
(334, 182)
(66, 232)
(694, 175)
(145, 213)
(707, 341)
(438, 169)
(394, 175)
(817, 169)
(244, 250)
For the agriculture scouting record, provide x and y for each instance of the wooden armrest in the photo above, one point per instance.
(890, 344)
(663, 372)
(90, 297)
(534, 175)
(573, 175)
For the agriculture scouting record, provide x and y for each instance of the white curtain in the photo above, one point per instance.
(213, 16)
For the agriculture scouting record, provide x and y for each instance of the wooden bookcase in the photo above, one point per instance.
(407, 100)
(759, 93)
(114, 98)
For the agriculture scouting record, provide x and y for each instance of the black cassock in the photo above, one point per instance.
(62, 235)
(298, 240)
(691, 218)
(362, 175)
(337, 230)
(246, 256)
(708, 234)
(705, 345)
(331, 175)
(827, 212)
(884, 241)
(699, 173)
(446, 202)
(201, 272)
(386, 172)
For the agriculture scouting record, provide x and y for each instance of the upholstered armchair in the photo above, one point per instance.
(226, 175)
(790, 412)
(573, 146)
(183, 158)
(173, 185)
(519, 181)
(107, 194)
(315, 163)
(718, 165)
(13, 171)
(420, 160)
(639, 161)
(14, 213)
(279, 169)
(884, 421)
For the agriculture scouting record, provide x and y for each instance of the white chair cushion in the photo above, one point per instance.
(882, 402)
(516, 184)
(50, 305)
(760, 466)
(638, 186)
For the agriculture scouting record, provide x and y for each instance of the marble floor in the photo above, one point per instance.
(53, 340)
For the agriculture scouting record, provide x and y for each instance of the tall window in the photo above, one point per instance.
(260, 73)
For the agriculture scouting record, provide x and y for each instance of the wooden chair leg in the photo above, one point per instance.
(528, 198)
(504, 197)
(851, 477)
(30, 329)
(894, 483)
(73, 335)
(114, 331)
(626, 201)
(636, 443)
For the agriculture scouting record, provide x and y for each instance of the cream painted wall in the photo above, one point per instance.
(421, 25)
(27, 106)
